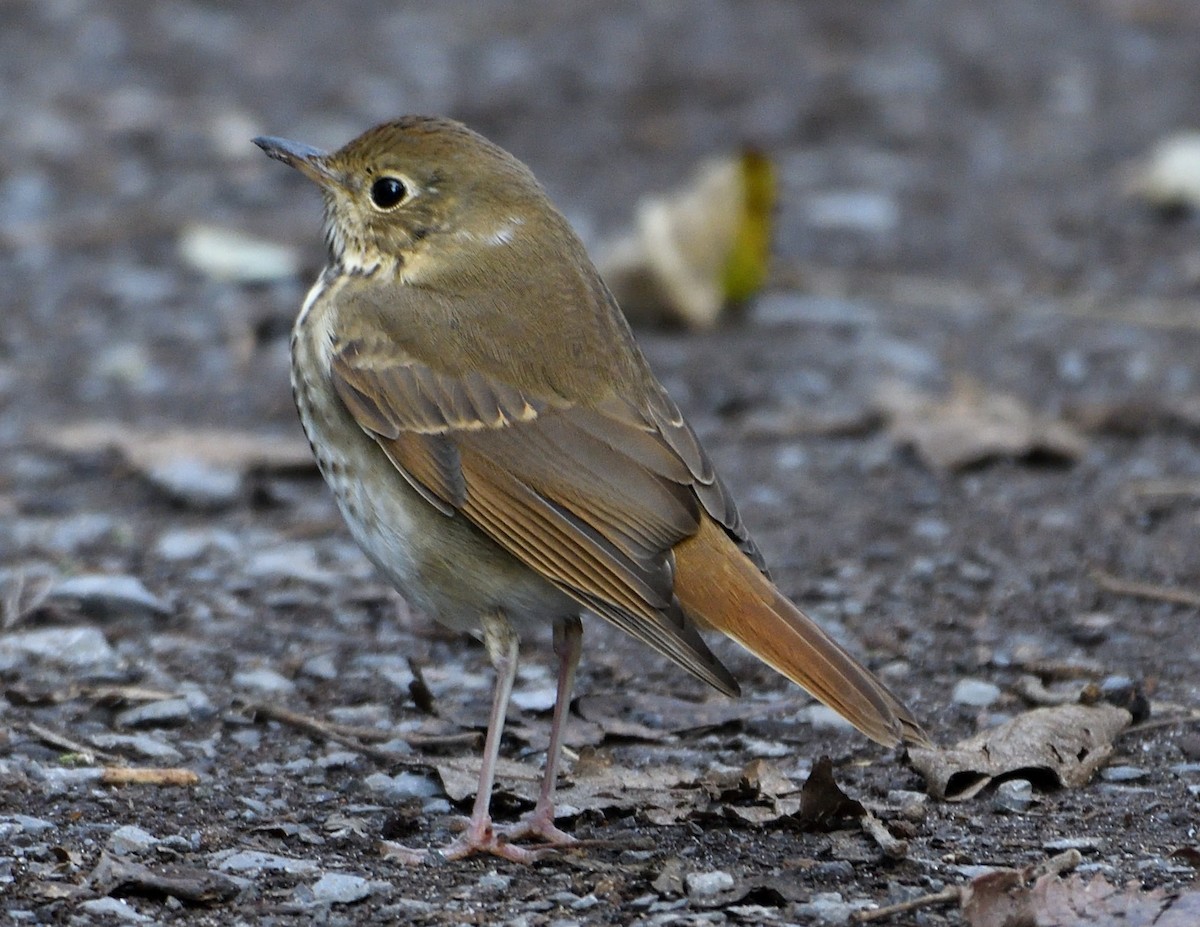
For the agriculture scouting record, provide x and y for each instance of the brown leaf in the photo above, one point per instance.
(973, 426)
(605, 788)
(1066, 744)
(822, 801)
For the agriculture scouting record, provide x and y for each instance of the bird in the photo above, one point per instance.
(503, 454)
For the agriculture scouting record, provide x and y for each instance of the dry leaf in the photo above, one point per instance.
(607, 787)
(1066, 744)
(1002, 899)
(646, 716)
(693, 252)
(822, 801)
(973, 426)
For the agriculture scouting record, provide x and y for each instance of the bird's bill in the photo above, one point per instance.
(309, 161)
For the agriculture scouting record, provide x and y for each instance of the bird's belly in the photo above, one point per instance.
(441, 564)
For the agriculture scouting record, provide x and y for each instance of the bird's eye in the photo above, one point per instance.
(388, 192)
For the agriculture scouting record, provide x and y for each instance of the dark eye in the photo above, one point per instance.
(387, 192)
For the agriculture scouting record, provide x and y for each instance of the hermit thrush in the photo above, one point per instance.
(502, 452)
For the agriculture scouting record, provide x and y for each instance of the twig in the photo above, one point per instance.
(319, 728)
(1055, 865)
(1166, 489)
(947, 895)
(1139, 590)
(892, 847)
(1154, 723)
(88, 754)
(147, 775)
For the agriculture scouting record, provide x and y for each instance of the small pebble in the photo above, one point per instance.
(341, 888)
(28, 824)
(103, 596)
(196, 484)
(130, 840)
(169, 712)
(402, 786)
(976, 692)
(704, 884)
(1123, 773)
(114, 908)
(143, 745)
(1013, 796)
(1073, 843)
(257, 861)
(493, 882)
(264, 680)
(77, 647)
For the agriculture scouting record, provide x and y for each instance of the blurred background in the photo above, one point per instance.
(987, 147)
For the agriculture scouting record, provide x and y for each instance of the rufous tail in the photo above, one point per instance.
(719, 587)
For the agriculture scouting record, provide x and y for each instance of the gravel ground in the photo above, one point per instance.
(955, 219)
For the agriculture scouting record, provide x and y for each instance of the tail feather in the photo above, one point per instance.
(719, 587)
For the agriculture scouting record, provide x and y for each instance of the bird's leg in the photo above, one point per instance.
(568, 644)
(502, 644)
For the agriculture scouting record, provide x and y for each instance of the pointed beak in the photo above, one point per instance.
(309, 161)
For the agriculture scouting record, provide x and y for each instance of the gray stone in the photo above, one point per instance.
(197, 484)
(257, 861)
(169, 712)
(105, 596)
(493, 882)
(142, 744)
(830, 908)
(341, 888)
(181, 544)
(320, 667)
(1123, 773)
(28, 824)
(976, 693)
(76, 647)
(1014, 796)
(703, 884)
(114, 907)
(264, 680)
(1073, 843)
(129, 840)
(402, 786)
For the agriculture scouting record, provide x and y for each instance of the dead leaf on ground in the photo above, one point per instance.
(1065, 744)
(693, 252)
(606, 787)
(822, 801)
(148, 449)
(1002, 899)
(973, 426)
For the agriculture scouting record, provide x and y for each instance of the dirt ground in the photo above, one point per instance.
(955, 215)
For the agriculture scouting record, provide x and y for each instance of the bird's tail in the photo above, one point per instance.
(719, 587)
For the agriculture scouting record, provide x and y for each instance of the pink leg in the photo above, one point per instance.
(480, 837)
(568, 644)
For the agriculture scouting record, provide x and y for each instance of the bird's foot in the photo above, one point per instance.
(540, 824)
(479, 837)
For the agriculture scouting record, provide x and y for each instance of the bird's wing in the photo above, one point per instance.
(593, 497)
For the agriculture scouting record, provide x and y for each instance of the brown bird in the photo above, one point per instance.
(502, 452)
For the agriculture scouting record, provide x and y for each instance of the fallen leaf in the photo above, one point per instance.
(1065, 744)
(1003, 899)
(822, 801)
(973, 426)
(605, 788)
(693, 252)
